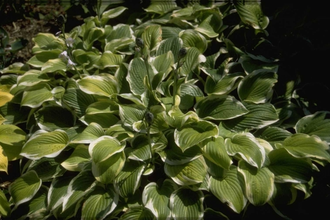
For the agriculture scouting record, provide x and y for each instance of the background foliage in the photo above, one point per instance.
(176, 110)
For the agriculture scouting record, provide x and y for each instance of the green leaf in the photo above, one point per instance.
(190, 173)
(47, 168)
(140, 149)
(109, 59)
(16, 68)
(257, 87)
(99, 85)
(247, 147)
(77, 160)
(173, 44)
(194, 133)
(187, 204)
(156, 198)
(258, 116)
(78, 100)
(152, 36)
(5, 96)
(163, 64)
(4, 205)
(54, 65)
(192, 38)
(85, 58)
(190, 89)
(224, 86)
(137, 213)
(216, 152)
(161, 7)
(45, 144)
(24, 188)
(229, 190)
(220, 108)
(131, 114)
(288, 168)
(259, 183)
(305, 146)
(78, 187)
(107, 170)
(252, 14)
(211, 25)
(129, 179)
(35, 96)
(12, 139)
(316, 124)
(100, 203)
(104, 147)
(54, 117)
(47, 42)
(57, 191)
(39, 59)
(89, 134)
(3, 164)
(91, 36)
(112, 13)
(273, 134)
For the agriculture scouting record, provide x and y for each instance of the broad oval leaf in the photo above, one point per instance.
(224, 86)
(77, 159)
(12, 139)
(156, 198)
(161, 7)
(25, 187)
(129, 179)
(140, 150)
(91, 36)
(288, 168)
(257, 87)
(45, 145)
(192, 38)
(210, 25)
(216, 152)
(92, 132)
(187, 204)
(78, 100)
(173, 44)
(47, 168)
(47, 42)
(99, 85)
(259, 183)
(247, 147)
(129, 114)
(109, 59)
(100, 203)
(305, 146)
(194, 134)
(137, 213)
(315, 124)
(220, 108)
(190, 173)
(53, 66)
(191, 61)
(111, 13)
(229, 190)
(104, 147)
(57, 190)
(152, 36)
(35, 96)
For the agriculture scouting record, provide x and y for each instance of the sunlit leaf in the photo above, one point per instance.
(104, 147)
(137, 213)
(210, 25)
(229, 190)
(39, 59)
(187, 204)
(47, 42)
(109, 59)
(259, 183)
(161, 7)
(225, 85)
(3, 161)
(77, 159)
(91, 36)
(99, 85)
(5, 95)
(35, 96)
(152, 36)
(47, 168)
(45, 145)
(53, 66)
(12, 139)
(112, 13)
(89, 134)
(4, 205)
(192, 38)
(25, 187)
(140, 149)
(57, 191)
(78, 100)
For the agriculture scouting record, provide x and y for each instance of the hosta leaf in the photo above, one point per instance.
(191, 90)
(173, 155)
(305, 146)
(78, 187)
(258, 116)
(128, 180)
(16, 68)
(5, 96)
(315, 124)
(120, 32)
(136, 73)
(12, 139)
(210, 25)
(152, 36)
(251, 63)
(251, 14)
(257, 87)
(229, 190)
(112, 13)
(47, 42)
(85, 58)
(140, 149)
(77, 159)
(259, 183)
(119, 132)
(156, 198)
(93, 35)
(120, 46)
(137, 213)
(288, 168)
(89, 134)
(25, 187)
(105, 120)
(53, 66)
(192, 38)
(247, 147)
(191, 61)
(130, 114)
(98, 85)
(45, 145)
(100, 203)
(225, 85)
(46, 168)
(3, 162)
(39, 59)
(215, 151)
(109, 59)
(57, 190)
(220, 108)
(53, 117)
(187, 204)
(190, 173)
(284, 193)
(161, 7)
(106, 171)
(273, 134)
(194, 134)
(78, 100)
(173, 44)
(163, 63)
(4, 205)
(35, 96)
(104, 147)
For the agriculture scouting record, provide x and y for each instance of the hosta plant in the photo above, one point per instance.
(165, 118)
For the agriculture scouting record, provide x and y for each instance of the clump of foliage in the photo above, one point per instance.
(165, 118)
